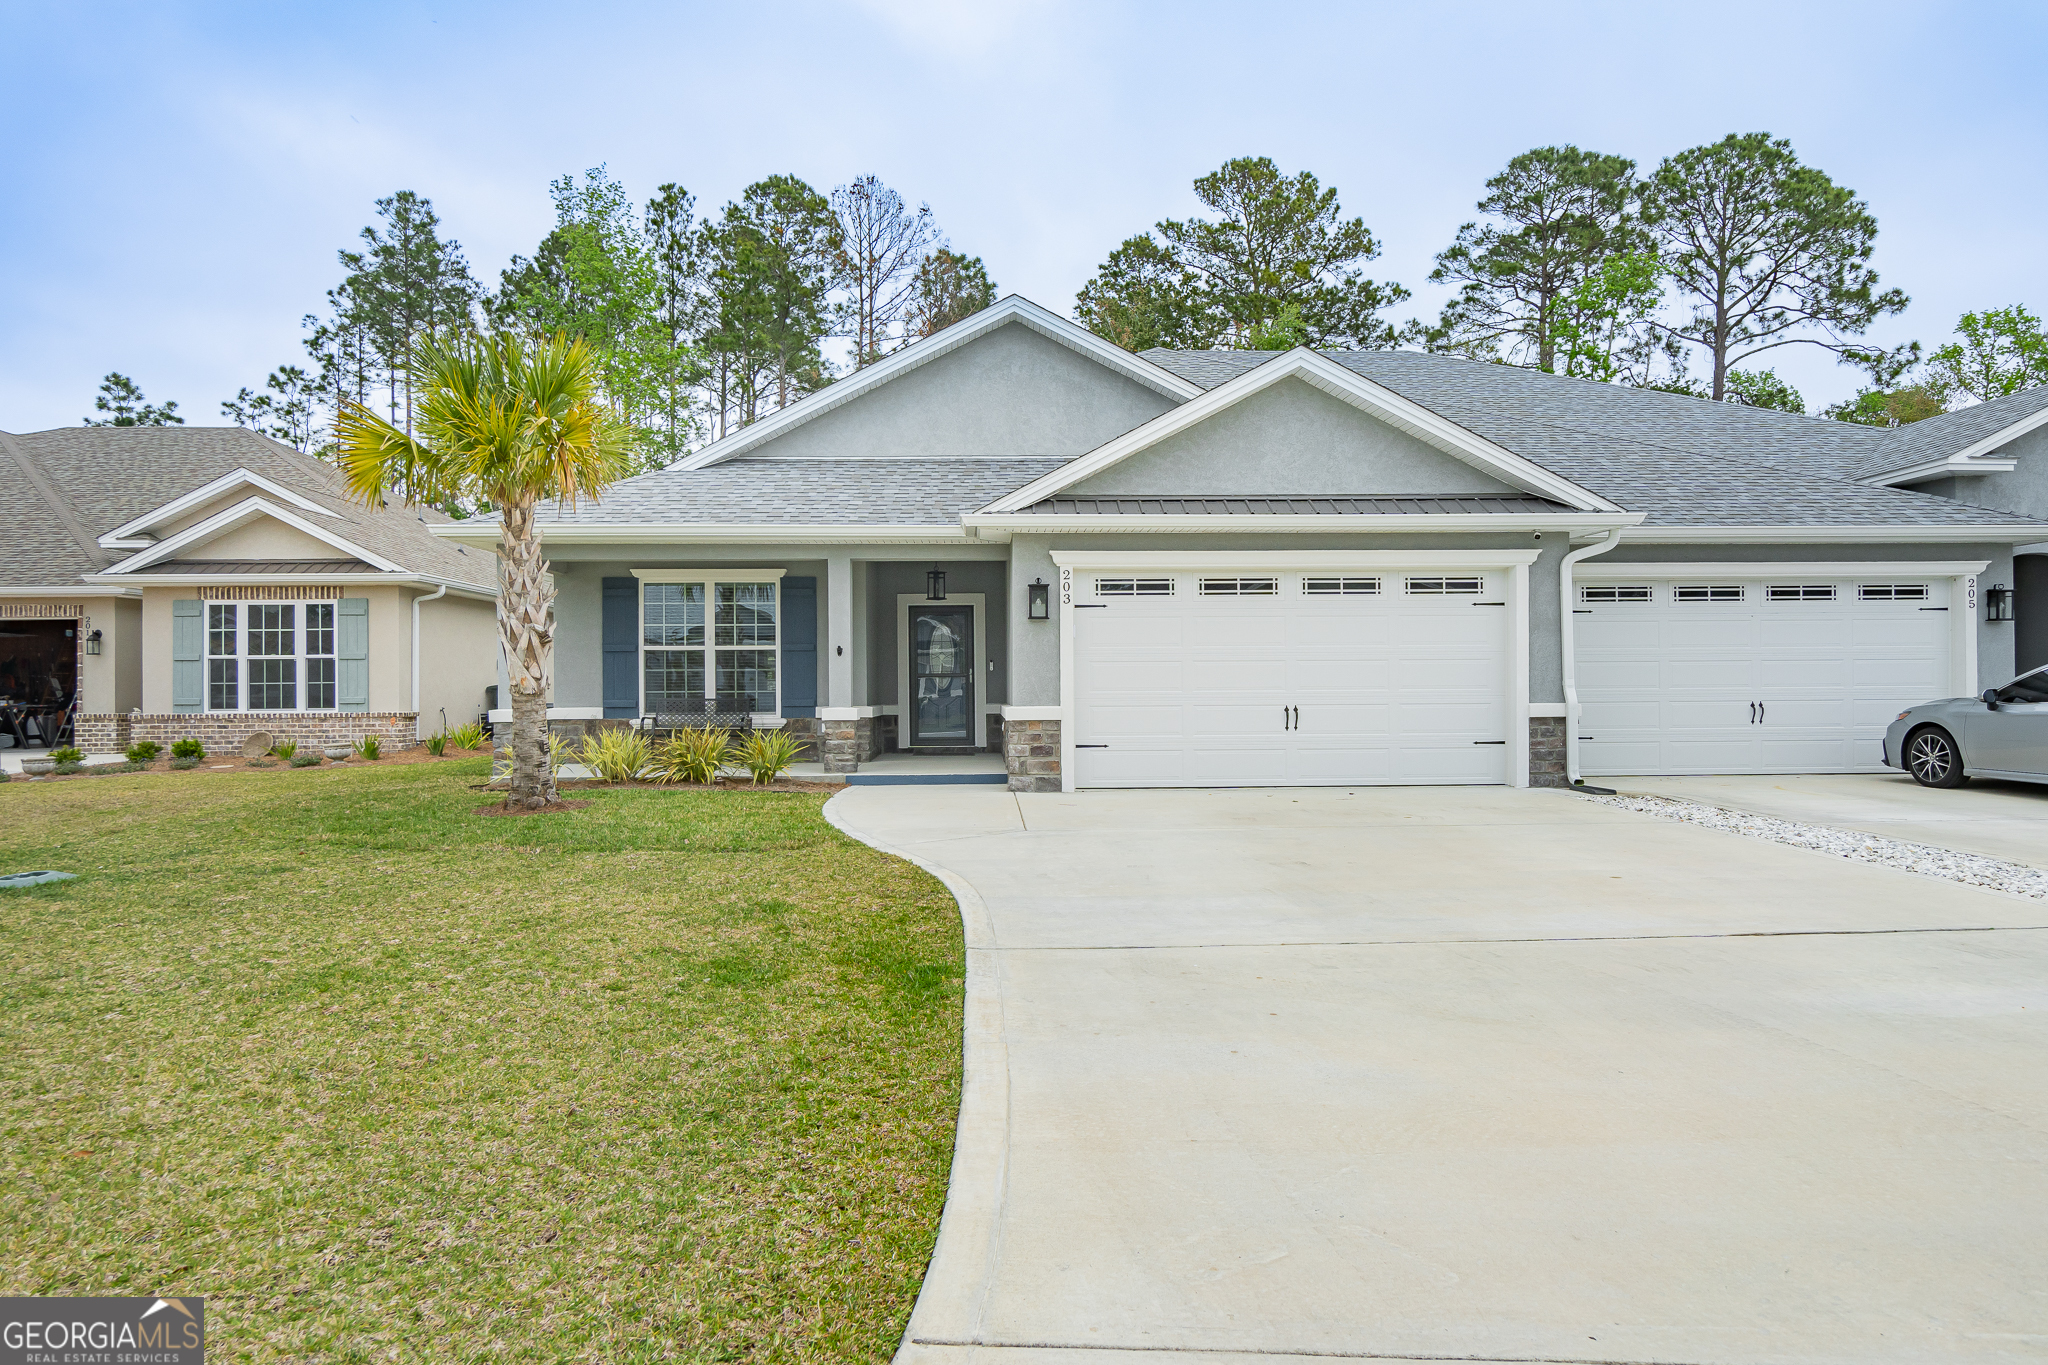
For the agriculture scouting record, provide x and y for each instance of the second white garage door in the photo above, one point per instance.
(1789, 674)
(1284, 679)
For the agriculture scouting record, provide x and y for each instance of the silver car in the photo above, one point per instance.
(2003, 733)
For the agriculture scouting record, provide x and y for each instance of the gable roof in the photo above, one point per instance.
(1347, 385)
(1966, 435)
(1013, 309)
(85, 482)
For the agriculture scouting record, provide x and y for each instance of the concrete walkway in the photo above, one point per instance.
(1996, 818)
(1473, 1074)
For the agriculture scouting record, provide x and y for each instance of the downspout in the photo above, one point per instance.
(436, 596)
(1565, 598)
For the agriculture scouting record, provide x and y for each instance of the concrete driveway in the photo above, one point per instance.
(1473, 1074)
(1999, 819)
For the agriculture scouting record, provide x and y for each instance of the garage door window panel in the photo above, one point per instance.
(1892, 592)
(1708, 592)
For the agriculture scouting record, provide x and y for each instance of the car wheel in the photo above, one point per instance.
(1933, 759)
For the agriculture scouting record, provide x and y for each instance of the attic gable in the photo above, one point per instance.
(1292, 439)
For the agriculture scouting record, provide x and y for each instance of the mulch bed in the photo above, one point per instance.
(235, 763)
(552, 808)
(729, 784)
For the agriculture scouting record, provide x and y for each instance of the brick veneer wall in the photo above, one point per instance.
(1546, 752)
(222, 732)
(1031, 752)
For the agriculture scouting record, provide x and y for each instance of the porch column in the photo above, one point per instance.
(845, 724)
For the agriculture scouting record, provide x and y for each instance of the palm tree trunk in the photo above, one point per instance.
(526, 630)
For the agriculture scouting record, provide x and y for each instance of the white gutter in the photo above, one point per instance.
(1565, 598)
(433, 596)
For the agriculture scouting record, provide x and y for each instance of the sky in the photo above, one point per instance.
(178, 178)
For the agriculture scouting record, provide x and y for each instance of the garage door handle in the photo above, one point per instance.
(1091, 746)
(1489, 741)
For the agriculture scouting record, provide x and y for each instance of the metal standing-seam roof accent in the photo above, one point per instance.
(1128, 506)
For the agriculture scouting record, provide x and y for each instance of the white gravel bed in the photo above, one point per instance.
(1972, 869)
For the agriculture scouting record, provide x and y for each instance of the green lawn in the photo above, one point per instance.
(670, 1078)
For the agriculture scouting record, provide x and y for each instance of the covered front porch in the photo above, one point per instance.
(864, 652)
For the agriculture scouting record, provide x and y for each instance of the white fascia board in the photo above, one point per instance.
(1807, 535)
(79, 589)
(227, 519)
(2002, 436)
(456, 587)
(1448, 522)
(1293, 559)
(677, 533)
(1607, 569)
(1375, 400)
(128, 535)
(1014, 308)
(1953, 466)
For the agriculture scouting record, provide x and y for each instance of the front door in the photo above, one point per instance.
(942, 676)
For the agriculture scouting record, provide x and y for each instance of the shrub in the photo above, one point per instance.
(181, 764)
(6, 776)
(188, 747)
(437, 744)
(692, 756)
(369, 748)
(470, 736)
(69, 766)
(144, 751)
(130, 767)
(766, 754)
(616, 755)
(260, 763)
(70, 753)
(284, 749)
(305, 760)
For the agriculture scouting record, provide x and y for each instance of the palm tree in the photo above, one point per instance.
(514, 422)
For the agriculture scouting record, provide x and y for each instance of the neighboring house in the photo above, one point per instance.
(212, 582)
(1238, 568)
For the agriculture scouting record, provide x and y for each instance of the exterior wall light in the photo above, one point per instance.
(1998, 603)
(935, 585)
(1041, 601)
(92, 643)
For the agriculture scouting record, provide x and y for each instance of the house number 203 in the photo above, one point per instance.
(1067, 587)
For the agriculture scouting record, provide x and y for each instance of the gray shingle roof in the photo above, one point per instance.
(1683, 460)
(1295, 507)
(98, 478)
(807, 493)
(1937, 437)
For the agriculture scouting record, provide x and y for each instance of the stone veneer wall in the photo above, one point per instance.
(222, 732)
(848, 743)
(1031, 752)
(1546, 752)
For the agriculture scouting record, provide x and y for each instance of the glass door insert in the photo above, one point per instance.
(942, 676)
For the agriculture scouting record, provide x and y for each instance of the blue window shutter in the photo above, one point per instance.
(621, 647)
(188, 655)
(352, 654)
(799, 646)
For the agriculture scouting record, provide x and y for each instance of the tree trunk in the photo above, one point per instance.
(526, 631)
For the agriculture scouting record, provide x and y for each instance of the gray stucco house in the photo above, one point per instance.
(1239, 568)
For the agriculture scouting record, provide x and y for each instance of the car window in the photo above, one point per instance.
(2031, 688)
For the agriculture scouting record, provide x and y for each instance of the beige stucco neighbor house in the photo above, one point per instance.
(211, 582)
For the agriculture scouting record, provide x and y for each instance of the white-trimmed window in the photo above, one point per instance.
(1614, 592)
(1707, 592)
(1800, 592)
(1339, 587)
(1134, 587)
(710, 641)
(270, 656)
(1240, 587)
(1892, 592)
(1435, 585)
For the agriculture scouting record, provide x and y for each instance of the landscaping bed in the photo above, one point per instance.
(670, 1077)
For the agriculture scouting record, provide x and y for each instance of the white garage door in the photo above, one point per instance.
(1275, 679)
(1747, 675)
